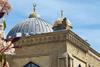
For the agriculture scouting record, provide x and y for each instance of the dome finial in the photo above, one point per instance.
(34, 14)
(62, 13)
(34, 7)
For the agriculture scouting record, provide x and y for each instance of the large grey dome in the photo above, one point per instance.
(31, 26)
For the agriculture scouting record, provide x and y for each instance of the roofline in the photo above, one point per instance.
(86, 43)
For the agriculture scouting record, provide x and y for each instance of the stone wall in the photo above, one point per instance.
(81, 57)
(43, 50)
(57, 49)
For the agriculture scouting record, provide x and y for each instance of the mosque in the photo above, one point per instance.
(39, 44)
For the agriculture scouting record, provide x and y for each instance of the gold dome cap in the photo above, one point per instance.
(34, 14)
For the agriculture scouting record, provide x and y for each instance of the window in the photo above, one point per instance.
(79, 65)
(31, 64)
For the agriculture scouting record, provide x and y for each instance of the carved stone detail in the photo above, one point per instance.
(54, 37)
(32, 40)
(73, 38)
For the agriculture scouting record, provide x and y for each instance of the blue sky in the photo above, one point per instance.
(83, 14)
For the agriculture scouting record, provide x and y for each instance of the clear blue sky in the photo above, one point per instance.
(84, 15)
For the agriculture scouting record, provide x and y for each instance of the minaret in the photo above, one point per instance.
(62, 23)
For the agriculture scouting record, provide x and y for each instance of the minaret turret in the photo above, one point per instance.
(62, 23)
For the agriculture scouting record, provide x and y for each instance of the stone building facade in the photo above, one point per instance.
(56, 49)
(40, 45)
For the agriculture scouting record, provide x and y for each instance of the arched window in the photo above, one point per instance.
(31, 64)
(79, 65)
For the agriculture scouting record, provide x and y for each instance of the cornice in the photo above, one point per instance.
(41, 39)
(94, 51)
(53, 37)
(76, 40)
(59, 36)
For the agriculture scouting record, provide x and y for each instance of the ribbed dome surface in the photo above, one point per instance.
(30, 26)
